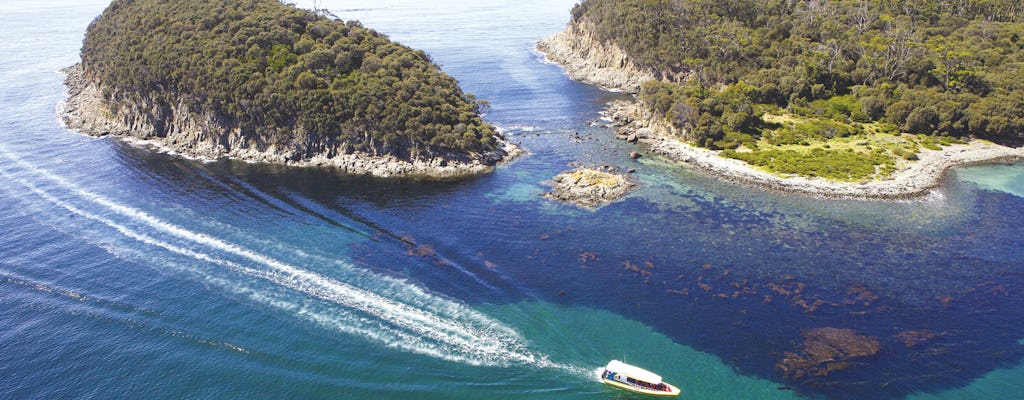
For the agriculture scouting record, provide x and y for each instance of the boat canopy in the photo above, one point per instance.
(637, 373)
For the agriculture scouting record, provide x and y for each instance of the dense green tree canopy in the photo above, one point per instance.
(947, 67)
(276, 71)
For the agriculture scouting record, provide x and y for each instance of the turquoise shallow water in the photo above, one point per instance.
(1003, 178)
(129, 274)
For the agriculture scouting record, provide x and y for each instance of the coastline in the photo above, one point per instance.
(200, 137)
(585, 59)
(913, 181)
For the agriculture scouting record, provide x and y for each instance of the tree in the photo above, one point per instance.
(890, 50)
(795, 53)
(951, 60)
(280, 76)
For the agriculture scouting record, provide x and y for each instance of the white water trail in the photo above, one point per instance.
(425, 323)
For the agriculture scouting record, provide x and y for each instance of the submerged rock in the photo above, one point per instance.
(826, 350)
(589, 188)
(912, 339)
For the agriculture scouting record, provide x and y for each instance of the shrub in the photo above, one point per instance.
(873, 107)
(843, 165)
(922, 120)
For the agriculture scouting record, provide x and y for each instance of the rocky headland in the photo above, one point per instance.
(589, 188)
(588, 59)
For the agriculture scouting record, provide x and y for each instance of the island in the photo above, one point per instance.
(264, 81)
(832, 99)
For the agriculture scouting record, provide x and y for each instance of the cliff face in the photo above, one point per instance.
(183, 128)
(587, 59)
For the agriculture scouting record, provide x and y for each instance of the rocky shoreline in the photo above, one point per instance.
(914, 181)
(202, 137)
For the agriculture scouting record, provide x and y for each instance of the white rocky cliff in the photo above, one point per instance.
(184, 130)
(587, 59)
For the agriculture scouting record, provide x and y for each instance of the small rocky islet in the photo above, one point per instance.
(590, 188)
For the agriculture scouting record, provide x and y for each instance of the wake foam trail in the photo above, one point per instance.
(389, 311)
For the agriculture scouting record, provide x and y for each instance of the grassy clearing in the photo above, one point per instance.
(824, 140)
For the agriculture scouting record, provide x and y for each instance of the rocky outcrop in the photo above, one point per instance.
(826, 350)
(589, 188)
(587, 59)
(181, 128)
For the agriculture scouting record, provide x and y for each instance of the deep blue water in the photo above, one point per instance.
(131, 274)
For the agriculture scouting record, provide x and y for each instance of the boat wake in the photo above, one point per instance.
(354, 301)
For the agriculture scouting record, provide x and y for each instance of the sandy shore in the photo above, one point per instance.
(201, 137)
(915, 180)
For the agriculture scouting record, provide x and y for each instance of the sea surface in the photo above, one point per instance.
(127, 273)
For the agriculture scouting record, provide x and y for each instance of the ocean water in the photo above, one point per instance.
(126, 273)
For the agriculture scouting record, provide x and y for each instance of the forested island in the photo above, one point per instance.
(837, 98)
(260, 80)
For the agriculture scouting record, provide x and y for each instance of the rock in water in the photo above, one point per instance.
(826, 350)
(589, 188)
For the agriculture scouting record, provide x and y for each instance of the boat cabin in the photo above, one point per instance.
(636, 379)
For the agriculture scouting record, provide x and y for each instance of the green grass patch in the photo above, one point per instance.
(822, 139)
(936, 142)
(803, 132)
(907, 154)
(840, 165)
(817, 146)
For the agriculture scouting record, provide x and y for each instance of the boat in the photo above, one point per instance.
(636, 379)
